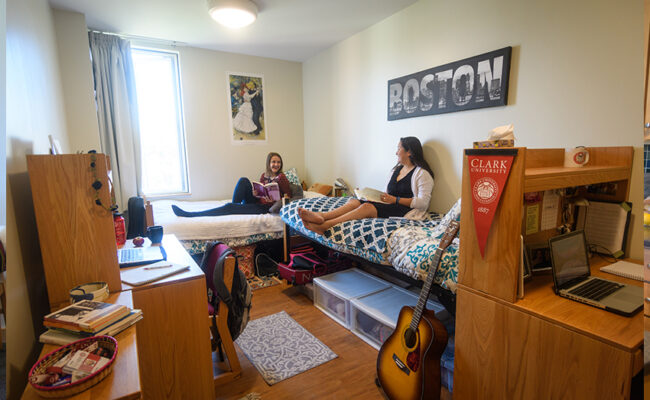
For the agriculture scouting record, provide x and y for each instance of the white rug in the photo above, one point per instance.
(280, 348)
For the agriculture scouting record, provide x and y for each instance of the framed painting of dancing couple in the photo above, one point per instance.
(247, 116)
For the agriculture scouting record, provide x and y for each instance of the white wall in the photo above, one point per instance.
(34, 110)
(576, 79)
(215, 163)
(77, 81)
(3, 113)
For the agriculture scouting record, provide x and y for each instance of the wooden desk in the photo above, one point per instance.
(123, 382)
(174, 337)
(544, 346)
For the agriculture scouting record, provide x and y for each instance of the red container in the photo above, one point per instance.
(120, 230)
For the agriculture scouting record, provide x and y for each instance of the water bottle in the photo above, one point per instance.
(120, 231)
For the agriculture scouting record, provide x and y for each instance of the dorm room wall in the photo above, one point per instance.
(215, 163)
(576, 79)
(35, 108)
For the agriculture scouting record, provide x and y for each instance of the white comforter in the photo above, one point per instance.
(206, 228)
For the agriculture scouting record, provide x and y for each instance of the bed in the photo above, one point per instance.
(407, 246)
(234, 230)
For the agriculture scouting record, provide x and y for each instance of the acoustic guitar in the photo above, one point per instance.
(408, 364)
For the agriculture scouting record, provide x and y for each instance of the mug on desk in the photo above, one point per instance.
(155, 234)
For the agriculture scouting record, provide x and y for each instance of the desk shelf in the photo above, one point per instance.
(548, 178)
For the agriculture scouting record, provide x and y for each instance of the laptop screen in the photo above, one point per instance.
(569, 257)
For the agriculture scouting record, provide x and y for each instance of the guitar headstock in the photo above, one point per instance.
(449, 235)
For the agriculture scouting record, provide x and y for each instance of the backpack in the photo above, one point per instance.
(239, 299)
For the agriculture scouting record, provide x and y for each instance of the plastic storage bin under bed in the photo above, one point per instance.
(333, 292)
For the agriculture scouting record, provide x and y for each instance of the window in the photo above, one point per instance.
(162, 132)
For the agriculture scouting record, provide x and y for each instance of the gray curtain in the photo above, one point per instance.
(117, 112)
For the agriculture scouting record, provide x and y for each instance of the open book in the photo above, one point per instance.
(270, 191)
(369, 194)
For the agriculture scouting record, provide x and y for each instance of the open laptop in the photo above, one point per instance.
(132, 256)
(571, 275)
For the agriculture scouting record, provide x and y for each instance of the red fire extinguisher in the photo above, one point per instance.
(120, 230)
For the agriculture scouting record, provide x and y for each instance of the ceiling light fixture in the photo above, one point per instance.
(233, 13)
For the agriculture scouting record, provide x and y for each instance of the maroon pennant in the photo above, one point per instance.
(488, 174)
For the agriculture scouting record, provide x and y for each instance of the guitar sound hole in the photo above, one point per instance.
(409, 337)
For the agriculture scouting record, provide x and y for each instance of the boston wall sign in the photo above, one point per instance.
(475, 82)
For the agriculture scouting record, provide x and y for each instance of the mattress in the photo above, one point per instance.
(213, 228)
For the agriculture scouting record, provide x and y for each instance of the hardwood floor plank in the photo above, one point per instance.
(349, 376)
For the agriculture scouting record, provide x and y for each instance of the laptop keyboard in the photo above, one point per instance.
(596, 289)
(130, 255)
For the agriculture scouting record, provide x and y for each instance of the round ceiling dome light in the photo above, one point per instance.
(233, 13)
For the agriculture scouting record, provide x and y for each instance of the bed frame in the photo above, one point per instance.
(447, 297)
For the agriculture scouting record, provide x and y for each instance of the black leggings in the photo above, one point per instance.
(243, 203)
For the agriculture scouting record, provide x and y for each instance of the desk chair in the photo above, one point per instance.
(221, 338)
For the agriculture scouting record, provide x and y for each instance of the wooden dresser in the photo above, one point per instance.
(541, 346)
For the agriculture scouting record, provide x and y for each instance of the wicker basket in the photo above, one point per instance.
(106, 342)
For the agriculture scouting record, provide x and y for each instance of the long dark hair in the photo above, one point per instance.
(269, 173)
(412, 144)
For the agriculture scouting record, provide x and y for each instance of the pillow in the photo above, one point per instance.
(275, 208)
(452, 214)
(308, 195)
(296, 191)
(321, 188)
(292, 176)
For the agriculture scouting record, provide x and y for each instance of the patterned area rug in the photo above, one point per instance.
(280, 348)
(257, 282)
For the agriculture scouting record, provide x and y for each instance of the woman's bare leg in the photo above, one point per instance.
(365, 210)
(320, 217)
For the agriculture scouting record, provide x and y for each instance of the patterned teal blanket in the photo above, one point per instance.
(405, 244)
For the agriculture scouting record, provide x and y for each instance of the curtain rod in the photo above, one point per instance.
(172, 43)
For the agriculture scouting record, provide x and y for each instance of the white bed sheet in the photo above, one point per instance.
(205, 228)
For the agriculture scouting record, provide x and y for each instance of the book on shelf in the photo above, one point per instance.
(369, 194)
(60, 336)
(269, 192)
(86, 315)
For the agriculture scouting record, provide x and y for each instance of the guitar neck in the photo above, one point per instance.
(424, 293)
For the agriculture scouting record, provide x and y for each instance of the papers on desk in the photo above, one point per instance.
(151, 273)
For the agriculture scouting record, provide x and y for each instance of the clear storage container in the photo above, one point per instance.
(333, 292)
(447, 368)
(374, 316)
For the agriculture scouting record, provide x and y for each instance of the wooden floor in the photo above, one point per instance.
(349, 376)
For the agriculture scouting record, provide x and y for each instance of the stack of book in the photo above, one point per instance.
(87, 318)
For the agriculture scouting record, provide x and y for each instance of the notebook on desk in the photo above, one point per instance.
(573, 280)
(130, 257)
(152, 272)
